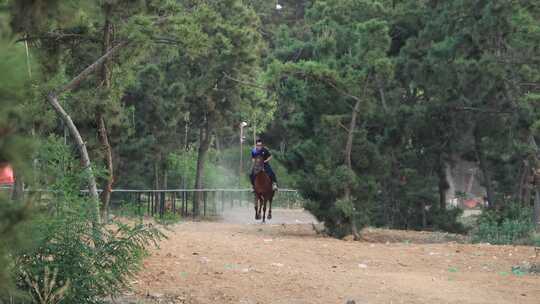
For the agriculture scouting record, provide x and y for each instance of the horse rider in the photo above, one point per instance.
(261, 151)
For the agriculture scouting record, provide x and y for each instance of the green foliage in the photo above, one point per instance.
(129, 209)
(346, 46)
(12, 219)
(446, 220)
(535, 239)
(183, 165)
(97, 261)
(511, 225)
(15, 82)
(438, 82)
(192, 91)
(14, 149)
(168, 218)
(91, 260)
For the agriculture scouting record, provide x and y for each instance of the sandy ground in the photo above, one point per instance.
(240, 261)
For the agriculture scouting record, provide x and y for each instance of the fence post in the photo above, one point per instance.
(183, 204)
(162, 204)
(139, 203)
(204, 202)
(215, 202)
(174, 202)
(222, 205)
(147, 203)
(152, 198)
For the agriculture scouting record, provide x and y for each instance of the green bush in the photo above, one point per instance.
(446, 220)
(168, 218)
(87, 261)
(12, 218)
(535, 237)
(129, 209)
(510, 225)
(96, 259)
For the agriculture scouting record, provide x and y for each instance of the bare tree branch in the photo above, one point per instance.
(166, 40)
(472, 109)
(331, 83)
(55, 36)
(343, 126)
(248, 83)
(75, 82)
(81, 145)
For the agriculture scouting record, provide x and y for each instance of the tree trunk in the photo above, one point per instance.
(443, 182)
(536, 215)
(536, 182)
(164, 187)
(18, 188)
(204, 144)
(104, 77)
(165, 179)
(218, 143)
(156, 184)
(107, 189)
(424, 215)
(348, 162)
(483, 166)
(380, 87)
(350, 135)
(186, 143)
(106, 45)
(81, 146)
(300, 9)
(525, 187)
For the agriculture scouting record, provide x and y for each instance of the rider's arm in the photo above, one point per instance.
(268, 159)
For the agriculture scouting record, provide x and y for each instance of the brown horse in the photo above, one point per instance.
(263, 190)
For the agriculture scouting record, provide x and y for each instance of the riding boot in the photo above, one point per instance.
(274, 182)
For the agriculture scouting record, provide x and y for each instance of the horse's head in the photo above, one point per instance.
(258, 165)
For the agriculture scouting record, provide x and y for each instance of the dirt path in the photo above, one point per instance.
(229, 262)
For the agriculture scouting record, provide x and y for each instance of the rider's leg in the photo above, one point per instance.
(252, 179)
(271, 173)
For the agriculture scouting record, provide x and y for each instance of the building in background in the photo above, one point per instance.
(465, 190)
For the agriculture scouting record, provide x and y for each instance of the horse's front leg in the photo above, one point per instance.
(264, 210)
(270, 209)
(257, 213)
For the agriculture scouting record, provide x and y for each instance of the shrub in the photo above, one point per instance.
(446, 220)
(74, 258)
(510, 225)
(96, 259)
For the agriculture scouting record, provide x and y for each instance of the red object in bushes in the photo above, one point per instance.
(6, 174)
(471, 203)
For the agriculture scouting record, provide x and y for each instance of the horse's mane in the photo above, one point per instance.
(258, 166)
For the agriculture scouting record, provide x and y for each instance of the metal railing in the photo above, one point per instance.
(213, 202)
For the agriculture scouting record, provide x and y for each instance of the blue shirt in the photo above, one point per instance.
(262, 152)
